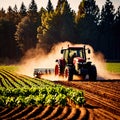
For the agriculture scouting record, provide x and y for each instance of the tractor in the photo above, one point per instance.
(75, 62)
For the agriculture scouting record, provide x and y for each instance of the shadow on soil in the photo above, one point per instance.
(91, 106)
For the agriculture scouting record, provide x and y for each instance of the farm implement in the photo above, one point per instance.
(73, 62)
(38, 72)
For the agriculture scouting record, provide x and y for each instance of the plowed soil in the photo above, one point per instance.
(43, 113)
(102, 98)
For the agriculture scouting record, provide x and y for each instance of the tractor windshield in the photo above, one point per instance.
(76, 53)
(71, 53)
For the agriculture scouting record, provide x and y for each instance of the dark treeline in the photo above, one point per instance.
(23, 29)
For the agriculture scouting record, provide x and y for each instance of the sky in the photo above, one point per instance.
(43, 3)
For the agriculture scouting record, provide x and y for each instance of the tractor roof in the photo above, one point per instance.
(74, 48)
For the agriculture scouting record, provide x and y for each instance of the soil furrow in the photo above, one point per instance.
(53, 113)
(73, 114)
(21, 113)
(5, 111)
(37, 110)
(12, 112)
(102, 86)
(106, 114)
(46, 111)
(64, 113)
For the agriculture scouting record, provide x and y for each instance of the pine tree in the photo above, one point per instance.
(2, 13)
(107, 15)
(67, 23)
(32, 12)
(32, 7)
(23, 11)
(59, 4)
(49, 6)
(117, 16)
(106, 43)
(10, 14)
(16, 15)
(81, 11)
(86, 21)
(15, 9)
(91, 9)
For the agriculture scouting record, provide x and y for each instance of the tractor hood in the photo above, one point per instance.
(78, 59)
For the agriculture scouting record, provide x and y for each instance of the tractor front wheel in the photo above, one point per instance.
(68, 75)
(92, 73)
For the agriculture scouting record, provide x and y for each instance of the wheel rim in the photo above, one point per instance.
(56, 70)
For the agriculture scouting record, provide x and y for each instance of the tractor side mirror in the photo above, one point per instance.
(61, 51)
(89, 51)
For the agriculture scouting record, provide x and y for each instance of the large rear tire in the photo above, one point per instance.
(68, 74)
(92, 73)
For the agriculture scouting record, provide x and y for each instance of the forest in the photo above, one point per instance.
(24, 29)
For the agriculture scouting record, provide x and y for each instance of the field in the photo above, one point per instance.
(113, 67)
(23, 97)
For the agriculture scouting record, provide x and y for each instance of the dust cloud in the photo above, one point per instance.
(36, 58)
(100, 63)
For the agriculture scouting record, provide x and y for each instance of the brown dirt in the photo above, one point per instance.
(102, 98)
(43, 113)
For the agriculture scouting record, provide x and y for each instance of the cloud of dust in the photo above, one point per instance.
(98, 59)
(36, 58)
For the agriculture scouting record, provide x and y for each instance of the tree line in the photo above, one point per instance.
(23, 29)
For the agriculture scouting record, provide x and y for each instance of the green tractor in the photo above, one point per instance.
(74, 62)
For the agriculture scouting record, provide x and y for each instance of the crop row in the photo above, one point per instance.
(18, 89)
(9, 79)
(47, 95)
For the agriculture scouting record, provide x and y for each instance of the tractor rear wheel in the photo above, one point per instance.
(68, 75)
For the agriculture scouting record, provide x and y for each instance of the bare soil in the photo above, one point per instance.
(102, 98)
(43, 113)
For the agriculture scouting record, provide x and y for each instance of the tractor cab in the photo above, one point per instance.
(72, 53)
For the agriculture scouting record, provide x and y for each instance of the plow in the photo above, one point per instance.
(38, 72)
(74, 61)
